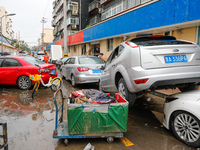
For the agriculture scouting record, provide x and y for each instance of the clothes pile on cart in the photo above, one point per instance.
(91, 96)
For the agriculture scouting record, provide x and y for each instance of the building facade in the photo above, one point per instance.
(7, 32)
(77, 17)
(122, 20)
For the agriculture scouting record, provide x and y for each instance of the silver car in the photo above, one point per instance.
(151, 62)
(82, 69)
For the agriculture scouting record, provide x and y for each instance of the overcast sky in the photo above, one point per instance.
(27, 20)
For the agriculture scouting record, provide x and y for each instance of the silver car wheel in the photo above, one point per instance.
(122, 90)
(73, 81)
(187, 127)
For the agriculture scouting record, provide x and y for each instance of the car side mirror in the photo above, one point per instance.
(102, 67)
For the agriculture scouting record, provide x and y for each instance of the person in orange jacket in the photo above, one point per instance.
(46, 57)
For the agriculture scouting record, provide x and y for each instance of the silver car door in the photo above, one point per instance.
(70, 67)
(108, 76)
(64, 68)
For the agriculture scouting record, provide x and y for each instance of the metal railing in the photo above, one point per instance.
(93, 5)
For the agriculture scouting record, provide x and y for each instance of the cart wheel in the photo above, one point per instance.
(66, 142)
(110, 139)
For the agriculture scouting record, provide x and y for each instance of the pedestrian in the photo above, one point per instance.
(46, 57)
(85, 53)
(101, 56)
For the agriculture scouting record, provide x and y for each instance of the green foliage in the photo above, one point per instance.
(87, 26)
(22, 45)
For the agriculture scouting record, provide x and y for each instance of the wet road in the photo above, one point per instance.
(31, 123)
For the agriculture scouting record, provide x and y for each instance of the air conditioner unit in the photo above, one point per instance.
(74, 26)
(100, 10)
(75, 11)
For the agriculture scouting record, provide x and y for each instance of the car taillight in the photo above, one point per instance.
(141, 81)
(131, 44)
(81, 69)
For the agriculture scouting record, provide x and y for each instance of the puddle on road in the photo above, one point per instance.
(29, 121)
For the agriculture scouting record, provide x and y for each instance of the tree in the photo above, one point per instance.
(21, 45)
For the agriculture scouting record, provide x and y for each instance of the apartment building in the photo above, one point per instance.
(122, 20)
(7, 32)
(77, 17)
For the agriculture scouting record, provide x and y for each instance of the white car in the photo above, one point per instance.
(41, 56)
(182, 116)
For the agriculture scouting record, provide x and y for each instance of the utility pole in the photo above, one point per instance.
(19, 38)
(43, 22)
(38, 44)
(65, 25)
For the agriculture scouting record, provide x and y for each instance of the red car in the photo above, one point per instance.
(15, 70)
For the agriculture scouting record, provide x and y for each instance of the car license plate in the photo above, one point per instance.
(96, 71)
(53, 71)
(176, 59)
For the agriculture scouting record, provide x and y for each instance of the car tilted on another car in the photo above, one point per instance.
(15, 70)
(82, 69)
(151, 62)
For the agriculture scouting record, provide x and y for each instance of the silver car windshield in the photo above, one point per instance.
(33, 61)
(90, 60)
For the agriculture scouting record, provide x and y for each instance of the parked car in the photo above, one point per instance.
(40, 55)
(182, 116)
(4, 53)
(151, 62)
(82, 69)
(15, 70)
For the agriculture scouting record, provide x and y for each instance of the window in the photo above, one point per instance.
(33, 61)
(70, 61)
(110, 44)
(74, 48)
(112, 11)
(90, 60)
(73, 21)
(1, 60)
(11, 63)
(93, 20)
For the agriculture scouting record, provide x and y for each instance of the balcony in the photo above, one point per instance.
(112, 11)
(94, 20)
(94, 5)
(59, 16)
(72, 6)
(104, 1)
(74, 21)
(58, 6)
(54, 4)
(61, 26)
(55, 31)
(53, 14)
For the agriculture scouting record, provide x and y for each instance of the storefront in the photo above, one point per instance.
(94, 48)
